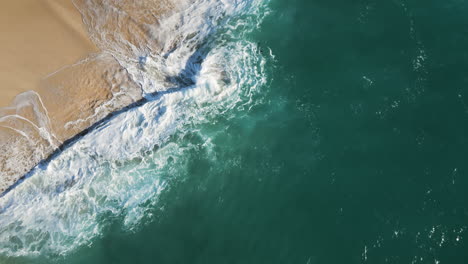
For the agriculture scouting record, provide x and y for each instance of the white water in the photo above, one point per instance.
(120, 167)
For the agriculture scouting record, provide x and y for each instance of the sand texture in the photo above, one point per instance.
(65, 104)
(66, 61)
(37, 37)
(66, 82)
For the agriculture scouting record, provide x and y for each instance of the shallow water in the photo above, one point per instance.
(333, 132)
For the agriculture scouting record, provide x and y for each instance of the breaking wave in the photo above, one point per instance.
(208, 67)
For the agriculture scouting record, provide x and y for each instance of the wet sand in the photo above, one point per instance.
(54, 82)
(37, 38)
(61, 70)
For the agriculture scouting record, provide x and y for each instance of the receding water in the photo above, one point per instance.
(332, 132)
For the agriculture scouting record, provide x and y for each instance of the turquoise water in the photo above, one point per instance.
(351, 149)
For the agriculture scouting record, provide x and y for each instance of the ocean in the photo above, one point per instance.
(300, 131)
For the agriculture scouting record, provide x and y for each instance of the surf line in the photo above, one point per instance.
(184, 81)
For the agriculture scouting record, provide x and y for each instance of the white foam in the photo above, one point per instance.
(115, 169)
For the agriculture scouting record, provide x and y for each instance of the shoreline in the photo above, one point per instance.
(56, 83)
(39, 37)
(66, 87)
(71, 141)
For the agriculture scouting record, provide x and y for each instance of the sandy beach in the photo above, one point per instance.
(65, 66)
(37, 38)
(55, 82)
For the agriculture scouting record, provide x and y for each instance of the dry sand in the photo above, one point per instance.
(37, 37)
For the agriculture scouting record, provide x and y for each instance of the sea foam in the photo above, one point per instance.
(207, 67)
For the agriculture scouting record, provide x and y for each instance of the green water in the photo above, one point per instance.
(356, 152)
